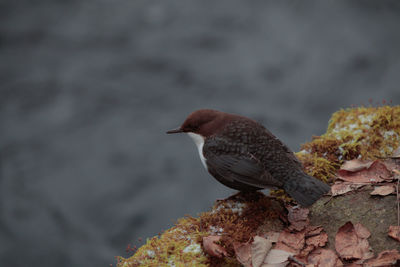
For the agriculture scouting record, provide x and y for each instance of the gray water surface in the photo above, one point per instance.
(88, 89)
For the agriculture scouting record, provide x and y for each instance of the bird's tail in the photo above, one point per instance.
(305, 189)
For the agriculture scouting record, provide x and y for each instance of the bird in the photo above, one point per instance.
(242, 154)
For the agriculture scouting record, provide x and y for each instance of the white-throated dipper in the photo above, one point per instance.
(243, 155)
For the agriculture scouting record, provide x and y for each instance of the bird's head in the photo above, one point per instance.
(204, 122)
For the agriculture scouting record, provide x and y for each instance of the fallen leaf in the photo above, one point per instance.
(259, 249)
(272, 236)
(385, 258)
(243, 253)
(356, 165)
(298, 218)
(277, 258)
(312, 230)
(340, 188)
(324, 258)
(318, 240)
(306, 251)
(362, 231)
(291, 242)
(394, 232)
(383, 190)
(377, 172)
(212, 248)
(351, 242)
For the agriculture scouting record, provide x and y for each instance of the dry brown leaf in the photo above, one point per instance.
(362, 231)
(277, 258)
(212, 248)
(299, 225)
(385, 258)
(312, 230)
(272, 236)
(314, 238)
(285, 247)
(318, 240)
(383, 190)
(356, 165)
(394, 232)
(324, 258)
(243, 253)
(259, 249)
(340, 188)
(298, 218)
(377, 172)
(291, 242)
(305, 251)
(351, 242)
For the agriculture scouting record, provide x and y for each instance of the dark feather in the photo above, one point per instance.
(239, 169)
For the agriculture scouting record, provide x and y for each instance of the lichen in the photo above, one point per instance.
(362, 132)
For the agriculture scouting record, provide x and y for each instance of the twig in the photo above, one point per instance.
(291, 258)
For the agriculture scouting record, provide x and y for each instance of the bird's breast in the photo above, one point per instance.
(199, 141)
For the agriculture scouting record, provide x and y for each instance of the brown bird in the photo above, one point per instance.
(243, 155)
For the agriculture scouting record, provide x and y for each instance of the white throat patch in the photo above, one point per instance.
(199, 141)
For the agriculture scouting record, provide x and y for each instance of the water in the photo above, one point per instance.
(88, 89)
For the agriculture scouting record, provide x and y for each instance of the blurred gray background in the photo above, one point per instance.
(88, 89)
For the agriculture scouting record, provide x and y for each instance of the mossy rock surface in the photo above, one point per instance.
(363, 133)
(376, 213)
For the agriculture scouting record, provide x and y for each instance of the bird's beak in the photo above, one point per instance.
(177, 130)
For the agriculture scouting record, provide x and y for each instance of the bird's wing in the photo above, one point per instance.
(238, 167)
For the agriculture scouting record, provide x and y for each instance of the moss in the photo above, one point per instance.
(318, 167)
(178, 246)
(236, 219)
(362, 132)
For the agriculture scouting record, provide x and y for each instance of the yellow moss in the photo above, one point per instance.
(281, 195)
(361, 132)
(236, 220)
(376, 130)
(317, 166)
(178, 246)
